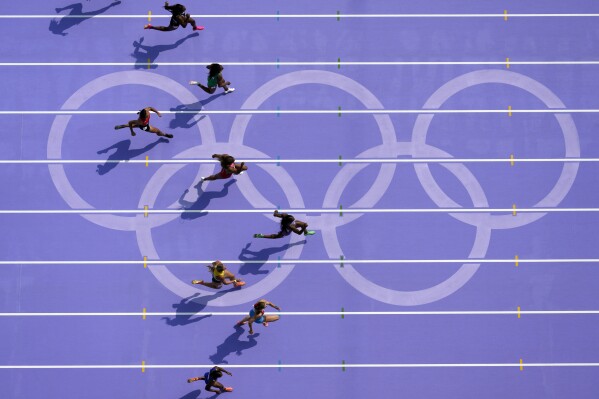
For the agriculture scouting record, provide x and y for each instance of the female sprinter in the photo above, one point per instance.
(220, 276)
(288, 224)
(211, 378)
(228, 168)
(257, 315)
(143, 122)
(215, 78)
(179, 17)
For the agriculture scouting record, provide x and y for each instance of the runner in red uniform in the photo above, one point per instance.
(143, 122)
(228, 168)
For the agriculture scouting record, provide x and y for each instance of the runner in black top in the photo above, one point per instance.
(179, 18)
(211, 378)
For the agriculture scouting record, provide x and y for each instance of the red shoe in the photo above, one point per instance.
(239, 284)
(148, 26)
(198, 28)
(228, 389)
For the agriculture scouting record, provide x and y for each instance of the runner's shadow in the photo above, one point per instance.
(187, 308)
(192, 395)
(58, 27)
(190, 119)
(204, 198)
(187, 119)
(124, 153)
(233, 344)
(262, 255)
(152, 52)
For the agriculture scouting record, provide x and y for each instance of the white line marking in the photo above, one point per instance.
(290, 261)
(301, 211)
(392, 313)
(316, 111)
(295, 16)
(299, 366)
(303, 63)
(270, 160)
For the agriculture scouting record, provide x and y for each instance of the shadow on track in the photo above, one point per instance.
(187, 308)
(233, 344)
(58, 27)
(190, 119)
(124, 153)
(204, 198)
(261, 255)
(150, 53)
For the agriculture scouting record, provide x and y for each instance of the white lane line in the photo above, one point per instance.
(291, 261)
(314, 111)
(304, 63)
(180, 161)
(298, 366)
(301, 211)
(391, 313)
(295, 16)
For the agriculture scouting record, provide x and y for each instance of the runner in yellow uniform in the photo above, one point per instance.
(220, 276)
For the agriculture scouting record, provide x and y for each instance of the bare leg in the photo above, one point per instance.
(270, 236)
(215, 177)
(161, 28)
(211, 284)
(270, 319)
(209, 90)
(243, 321)
(302, 225)
(117, 127)
(231, 277)
(158, 132)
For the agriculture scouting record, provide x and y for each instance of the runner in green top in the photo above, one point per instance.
(215, 79)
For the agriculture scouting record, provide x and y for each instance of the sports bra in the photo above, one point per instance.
(146, 121)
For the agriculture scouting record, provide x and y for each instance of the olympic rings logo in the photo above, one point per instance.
(326, 223)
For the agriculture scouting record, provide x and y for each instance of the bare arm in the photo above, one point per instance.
(132, 124)
(154, 110)
(223, 370)
(240, 169)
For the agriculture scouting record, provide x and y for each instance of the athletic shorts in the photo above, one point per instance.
(285, 232)
(260, 319)
(145, 128)
(175, 20)
(225, 174)
(215, 280)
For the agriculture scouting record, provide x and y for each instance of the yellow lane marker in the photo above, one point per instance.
(507, 63)
(143, 316)
(521, 365)
(145, 211)
(147, 159)
(514, 210)
(512, 159)
(149, 63)
(505, 15)
(517, 258)
(509, 110)
(149, 16)
(518, 311)
(145, 262)
(143, 366)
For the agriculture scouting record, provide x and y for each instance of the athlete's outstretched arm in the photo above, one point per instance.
(154, 110)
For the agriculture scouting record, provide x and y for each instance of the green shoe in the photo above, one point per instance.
(258, 235)
(309, 232)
